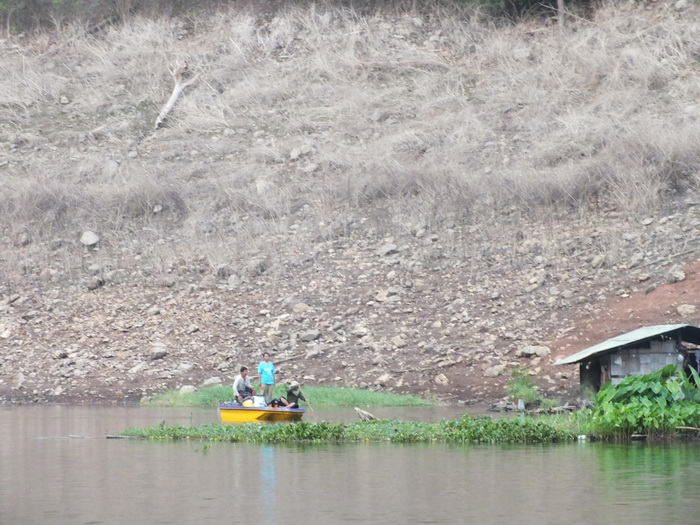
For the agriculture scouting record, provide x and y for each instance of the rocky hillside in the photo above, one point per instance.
(407, 201)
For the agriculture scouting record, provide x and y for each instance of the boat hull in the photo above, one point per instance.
(233, 414)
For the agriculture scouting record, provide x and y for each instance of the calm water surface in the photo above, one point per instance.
(57, 467)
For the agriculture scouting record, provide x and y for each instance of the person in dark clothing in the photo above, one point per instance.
(294, 394)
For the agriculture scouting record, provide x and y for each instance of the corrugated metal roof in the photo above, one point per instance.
(687, 332)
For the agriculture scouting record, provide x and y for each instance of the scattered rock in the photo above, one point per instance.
(686, 310)
(208, 282)
(257, 267)
(216, 380)
(533, 351)
(310, 335)
(360, 331)
(157, 352)
(598, 261)
(185, 366)
(314, 351)
(89, 238)
(388, 249)
(675, 275)
(95, 282)
(138, 368)
(224, 272)
(383, 380)
(494, 371)
(441, 379)
(300, 308)
(399, 342)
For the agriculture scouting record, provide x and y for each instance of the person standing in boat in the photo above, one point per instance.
(267, 373)
(293, 396)
(242, 389)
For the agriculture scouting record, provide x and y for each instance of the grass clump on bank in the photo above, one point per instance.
(466, 430)
(318, 396)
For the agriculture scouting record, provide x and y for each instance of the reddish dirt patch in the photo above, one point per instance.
(659, 306)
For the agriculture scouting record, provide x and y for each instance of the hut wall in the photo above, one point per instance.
(640, 361)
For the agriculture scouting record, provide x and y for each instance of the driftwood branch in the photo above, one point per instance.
(290, 358)
(303, 354)
(688, 428)
(183, 78)
(365, 416)
(668, 257)
(556, 410)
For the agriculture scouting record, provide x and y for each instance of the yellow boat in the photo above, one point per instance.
(233, 413)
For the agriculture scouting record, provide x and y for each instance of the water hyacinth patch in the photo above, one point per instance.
(466, 430)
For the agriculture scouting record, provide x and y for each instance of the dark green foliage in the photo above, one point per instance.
(517, 430)
(246, 433)
(465, 430)
(653, 404)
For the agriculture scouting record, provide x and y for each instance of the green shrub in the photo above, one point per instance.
(522, 386)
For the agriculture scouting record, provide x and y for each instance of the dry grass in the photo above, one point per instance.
(317, 116)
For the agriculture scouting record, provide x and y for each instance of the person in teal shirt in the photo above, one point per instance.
(267, 373)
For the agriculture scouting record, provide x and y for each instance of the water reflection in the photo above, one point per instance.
(47, 477)
(639, 470)
(268, 487)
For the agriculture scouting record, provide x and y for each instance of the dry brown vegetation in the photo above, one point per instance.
(315, 128)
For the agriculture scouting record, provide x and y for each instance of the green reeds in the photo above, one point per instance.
(319, 396)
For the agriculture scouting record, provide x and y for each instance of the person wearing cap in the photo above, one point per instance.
(293, 396)
(242, 389)
(267, 373)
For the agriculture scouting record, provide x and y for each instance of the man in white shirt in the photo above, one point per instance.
(242, 388)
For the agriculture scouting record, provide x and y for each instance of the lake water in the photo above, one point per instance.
(57, 467)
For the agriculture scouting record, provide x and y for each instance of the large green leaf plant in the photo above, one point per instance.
(654, 404)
